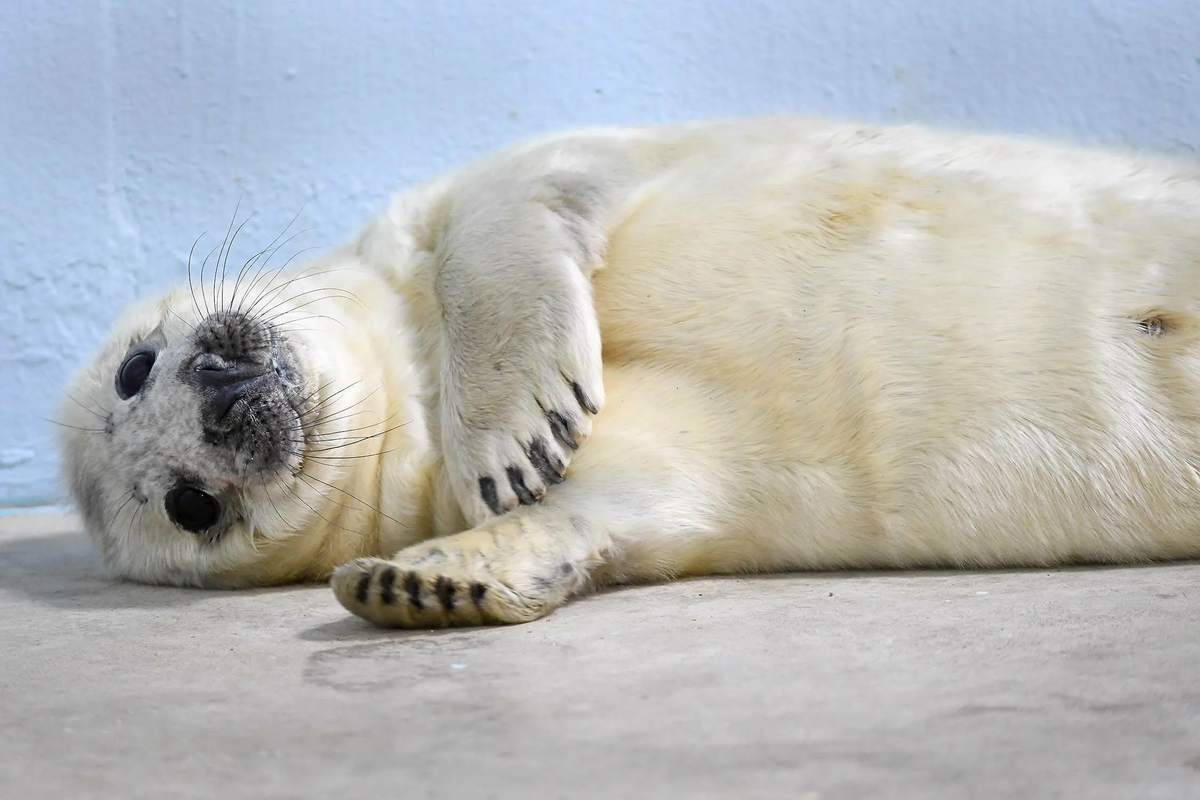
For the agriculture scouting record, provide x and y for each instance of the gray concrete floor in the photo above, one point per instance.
(1032, 684)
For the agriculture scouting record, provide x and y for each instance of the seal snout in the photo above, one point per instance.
(223, 384)
(242, 378)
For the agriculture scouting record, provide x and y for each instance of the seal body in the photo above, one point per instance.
(822, 346)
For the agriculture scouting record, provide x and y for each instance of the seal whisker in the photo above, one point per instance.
(304, 273)
(191, 286)
(128, 496)
(273, 247)
(329, 294)
(335, 395)
(336, 415)
(307, 477)
(181, 319)
(322, 387)
(218, 269)
(329, 437)
(264, 264)
(334, 291)
(341, 416)
(137, 513)
(302, 330)
(100, 416)
(332, 461)
(224, 264)
(262, 255)
(74, 427)
(278, 320)
(200, 280)
(233, 298)
(269, 314)
(271, 500)
(356, 441)
(307, 505)
(267, 290)
(286, 326)
(281, 317)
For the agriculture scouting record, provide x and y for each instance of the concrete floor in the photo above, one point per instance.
(1037, 684)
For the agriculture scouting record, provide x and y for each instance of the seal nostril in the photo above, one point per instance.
(222, 386)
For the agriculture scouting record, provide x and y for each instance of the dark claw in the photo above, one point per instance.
(363, 588)
(445, 592)
(517, 481)
(551, 473)
(478, 590)
(583, 399)
(413, 587)
(387, 586)
(562, 429)
(487, 490)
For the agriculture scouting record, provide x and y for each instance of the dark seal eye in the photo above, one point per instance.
(133, 373)
(192, 509)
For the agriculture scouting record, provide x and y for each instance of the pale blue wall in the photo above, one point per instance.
(127, 128)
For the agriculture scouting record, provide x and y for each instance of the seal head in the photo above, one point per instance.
(205, 436)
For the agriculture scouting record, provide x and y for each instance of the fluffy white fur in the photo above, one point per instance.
(824, 345)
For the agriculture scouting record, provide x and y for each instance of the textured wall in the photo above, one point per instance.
(128, 127)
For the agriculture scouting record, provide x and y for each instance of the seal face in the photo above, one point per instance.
(200, 421)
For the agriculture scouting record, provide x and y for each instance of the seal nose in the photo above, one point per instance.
(225, 384)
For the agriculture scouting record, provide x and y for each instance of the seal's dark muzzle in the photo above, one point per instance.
(223, 386)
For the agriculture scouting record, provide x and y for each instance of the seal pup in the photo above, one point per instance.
(825, 345)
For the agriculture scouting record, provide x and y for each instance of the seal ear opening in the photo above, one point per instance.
(1151, 326)
(1158, 323)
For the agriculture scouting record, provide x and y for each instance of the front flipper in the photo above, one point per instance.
(512, 569)
(521, 365)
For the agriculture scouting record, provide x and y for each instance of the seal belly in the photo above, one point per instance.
(899, 364)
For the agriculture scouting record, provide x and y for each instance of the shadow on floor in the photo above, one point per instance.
(348, 629)
(64, 571)
(351, 629)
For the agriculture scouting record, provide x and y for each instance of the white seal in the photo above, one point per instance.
(824, 345)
